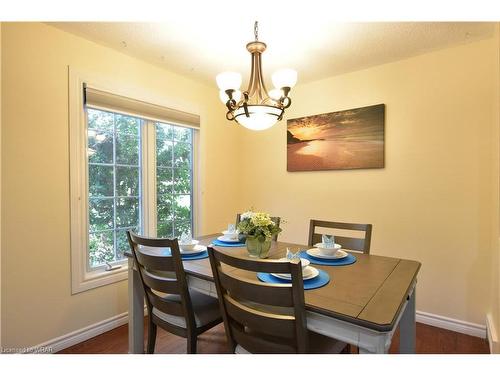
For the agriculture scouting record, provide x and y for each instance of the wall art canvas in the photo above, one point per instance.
(351, 139)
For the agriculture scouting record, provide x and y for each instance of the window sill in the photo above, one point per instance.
(98, 278)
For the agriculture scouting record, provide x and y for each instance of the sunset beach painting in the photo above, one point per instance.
(350, 139)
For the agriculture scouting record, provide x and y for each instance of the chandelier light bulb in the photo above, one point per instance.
(276, 94)
(228, 81)
(284, 78)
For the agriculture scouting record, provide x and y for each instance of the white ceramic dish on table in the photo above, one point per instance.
(230, 236)
(188, 246)
(308, 272)
(195, 250)
(226, 239)
(316, 253)
(330, 251)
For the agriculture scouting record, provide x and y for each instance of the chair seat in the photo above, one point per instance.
(318, 344)
(206, 310)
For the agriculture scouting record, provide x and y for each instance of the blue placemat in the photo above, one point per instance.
(228, 244)
(202, 255)
(321, 280)
(350, 259)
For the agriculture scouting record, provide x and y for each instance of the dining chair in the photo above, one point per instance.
(361, 244)
(276, 220)
(170, 303)
(264, 318)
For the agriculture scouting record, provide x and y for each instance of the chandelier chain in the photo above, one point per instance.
(256, 30)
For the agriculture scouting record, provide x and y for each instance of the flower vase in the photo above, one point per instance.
(257, 248)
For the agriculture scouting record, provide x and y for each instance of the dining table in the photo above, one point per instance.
(363, 303)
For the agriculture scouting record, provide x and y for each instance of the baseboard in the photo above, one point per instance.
(492, 335)
(471, 329)
(62, 342)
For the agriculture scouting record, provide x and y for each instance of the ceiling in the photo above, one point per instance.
(200, 47)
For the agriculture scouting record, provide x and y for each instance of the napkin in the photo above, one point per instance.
(231, 228)
(291, 255)
(328, 241)
(186, 238)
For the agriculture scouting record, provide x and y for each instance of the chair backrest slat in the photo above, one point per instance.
(157, 267)
(276, 220)
(259, 321)
(349, 243)
(155, 262)
(165, 306)
(159, 283)
(252, 317)
(270, 266)
(278, 295)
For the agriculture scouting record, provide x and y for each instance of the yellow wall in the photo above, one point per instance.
(436, 200)
(433, 201)
(1, 294)
(495, 264)
(37, 301)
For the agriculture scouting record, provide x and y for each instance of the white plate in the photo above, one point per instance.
(340, 254)
(308, 273)
(197, 249)
(224, 239)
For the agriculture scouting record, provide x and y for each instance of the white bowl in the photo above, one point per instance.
(326, 250)
(189, 246)
(303, 262)
(230, 236)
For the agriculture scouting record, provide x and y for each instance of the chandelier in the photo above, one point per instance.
(257, 109)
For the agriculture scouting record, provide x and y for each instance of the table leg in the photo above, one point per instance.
(407, 327)
(135, 311)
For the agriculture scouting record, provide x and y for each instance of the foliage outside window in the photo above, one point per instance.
(174, 150)
(114, 170)
(115, 188)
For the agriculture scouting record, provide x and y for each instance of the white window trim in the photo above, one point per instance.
(81, 278)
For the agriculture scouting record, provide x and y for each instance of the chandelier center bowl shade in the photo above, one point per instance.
(256, 108)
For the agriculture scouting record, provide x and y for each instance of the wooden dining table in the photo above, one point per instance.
(363, 304)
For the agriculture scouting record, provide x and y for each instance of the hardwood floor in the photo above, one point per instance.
(430, 340)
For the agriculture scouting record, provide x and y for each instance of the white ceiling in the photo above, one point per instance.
(199, 45)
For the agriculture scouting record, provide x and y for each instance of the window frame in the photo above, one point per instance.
(82, 278)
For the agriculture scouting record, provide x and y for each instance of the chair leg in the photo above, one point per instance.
(346, 350)
(191, 344)
(151, 337)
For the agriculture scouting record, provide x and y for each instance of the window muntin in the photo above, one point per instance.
(114, 184)
(174, 179)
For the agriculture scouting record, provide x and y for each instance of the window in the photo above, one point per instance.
(114, 184)
(132, 168)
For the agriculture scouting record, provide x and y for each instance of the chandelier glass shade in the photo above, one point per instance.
(256, 108)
